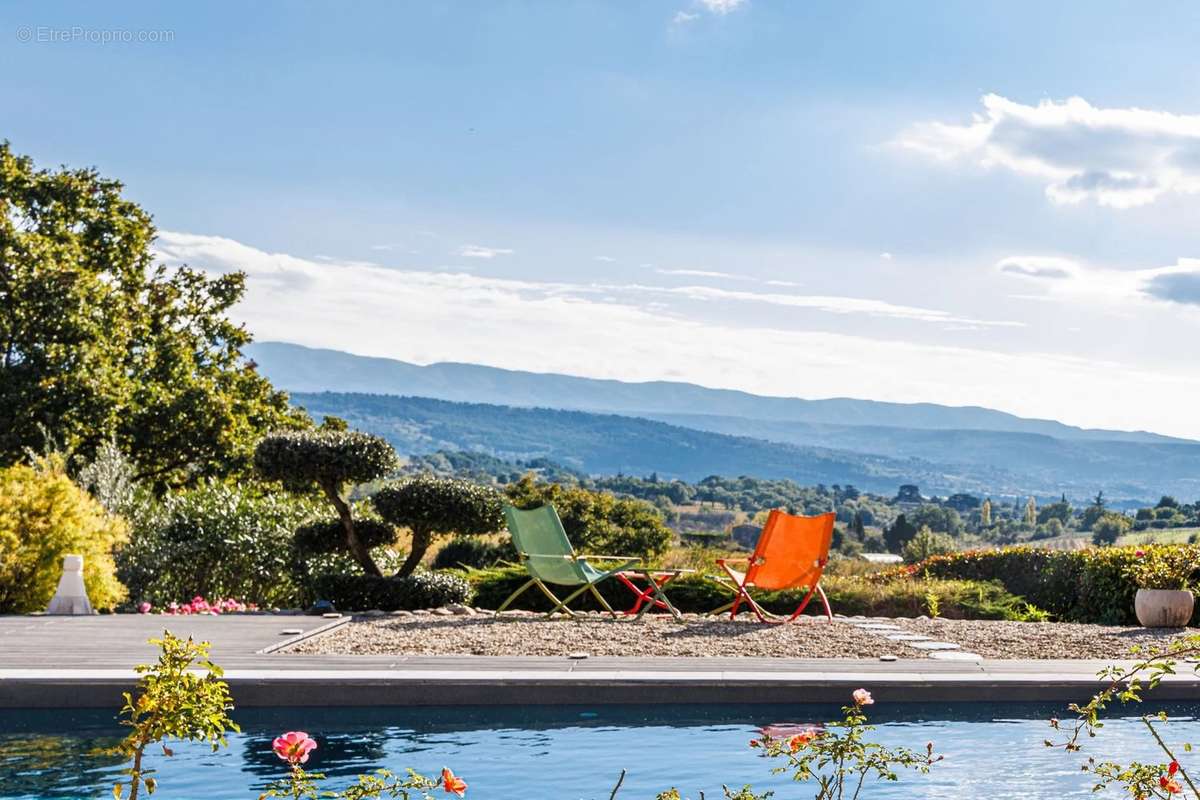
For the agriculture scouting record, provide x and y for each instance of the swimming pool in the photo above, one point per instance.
(573, 752)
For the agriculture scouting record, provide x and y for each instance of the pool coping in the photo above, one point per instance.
(496, 681)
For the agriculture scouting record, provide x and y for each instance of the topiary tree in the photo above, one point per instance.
(332, 460)
(429, 506)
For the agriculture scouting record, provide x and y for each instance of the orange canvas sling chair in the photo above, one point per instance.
(791, 553)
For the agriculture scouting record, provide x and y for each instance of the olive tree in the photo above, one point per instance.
(333, 461)
(430, 506)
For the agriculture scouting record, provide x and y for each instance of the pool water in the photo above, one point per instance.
(575, 752)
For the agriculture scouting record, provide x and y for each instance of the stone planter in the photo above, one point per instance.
(1163, 608)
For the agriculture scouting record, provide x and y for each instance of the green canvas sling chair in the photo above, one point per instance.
(547, 555)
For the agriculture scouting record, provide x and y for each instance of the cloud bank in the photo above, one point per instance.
(1116, 157)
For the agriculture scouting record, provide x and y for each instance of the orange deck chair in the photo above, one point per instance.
(791, 553)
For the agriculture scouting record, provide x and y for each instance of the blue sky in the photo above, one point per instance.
(968, 203)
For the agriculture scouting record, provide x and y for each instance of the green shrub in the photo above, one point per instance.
(324, 536)
(474, 553)
(366, 592)
(428, 506)
(1110, 527)
(216, 541)
(43, 517)
(598, 522)
(898, 596)
(1089, 585)
(326, 458)
(925, 544)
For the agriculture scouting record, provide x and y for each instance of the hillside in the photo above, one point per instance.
(1123, 469)
(304, 369)
(609, 444)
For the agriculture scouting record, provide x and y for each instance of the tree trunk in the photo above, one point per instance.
(360, 552)
(420, 543)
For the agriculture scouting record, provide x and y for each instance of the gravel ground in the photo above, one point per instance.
(997, 639)
(597, 636)
(809, 637)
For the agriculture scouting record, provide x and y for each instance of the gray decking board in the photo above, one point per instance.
(87, 661)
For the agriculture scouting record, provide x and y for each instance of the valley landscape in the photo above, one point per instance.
(690, 432)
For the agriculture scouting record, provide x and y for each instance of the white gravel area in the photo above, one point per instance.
(657, 635)
(1000, 639)
(442, 632)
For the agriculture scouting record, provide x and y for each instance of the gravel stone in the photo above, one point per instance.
(657, 635)
(530, 634)
(1002, 639)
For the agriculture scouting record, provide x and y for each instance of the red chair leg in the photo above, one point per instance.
(803, 603)
(640, 594)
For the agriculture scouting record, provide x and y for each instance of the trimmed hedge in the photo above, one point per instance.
(902, 596)
(327, 536)
(367, 592)
(1077, 586)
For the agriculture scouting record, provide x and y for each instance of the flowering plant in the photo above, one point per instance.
(174, 702)
(839, 757)
(198, 605)
(1141, 781)
(294, 747)
(1162, 567)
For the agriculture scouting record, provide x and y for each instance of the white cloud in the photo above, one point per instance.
(479, 251)
(1051, 267)
(606, 259)
(717, 8)
(701, 273)
(782, 283)
(427, 316)
(1117, 157)
(837, 305)
(1178, 283)
(886, 256)
(722, 7)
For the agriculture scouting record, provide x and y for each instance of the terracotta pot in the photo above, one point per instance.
(1163, 608)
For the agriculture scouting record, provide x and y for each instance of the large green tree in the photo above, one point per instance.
(99, 344)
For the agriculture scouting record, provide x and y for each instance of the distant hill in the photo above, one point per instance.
(304, 369)
(689, 431)
(1124, 469)
(608, 444)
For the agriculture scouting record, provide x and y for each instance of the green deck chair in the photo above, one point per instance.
(547, 554)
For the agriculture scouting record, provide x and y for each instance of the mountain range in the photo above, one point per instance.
(692, 431)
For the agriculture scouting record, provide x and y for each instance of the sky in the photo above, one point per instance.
(987, 204)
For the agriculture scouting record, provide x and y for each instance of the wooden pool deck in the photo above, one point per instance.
(86, 662)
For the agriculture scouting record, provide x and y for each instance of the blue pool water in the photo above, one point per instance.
(573, 752)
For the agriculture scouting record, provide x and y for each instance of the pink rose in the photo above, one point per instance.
(144, 607)
(294, 747)
(862, 697)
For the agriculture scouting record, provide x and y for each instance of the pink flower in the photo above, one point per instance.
(862, 697)
(144, 607)
(1139, 553)
(294, 747)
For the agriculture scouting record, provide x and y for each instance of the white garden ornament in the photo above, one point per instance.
(71, 597)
